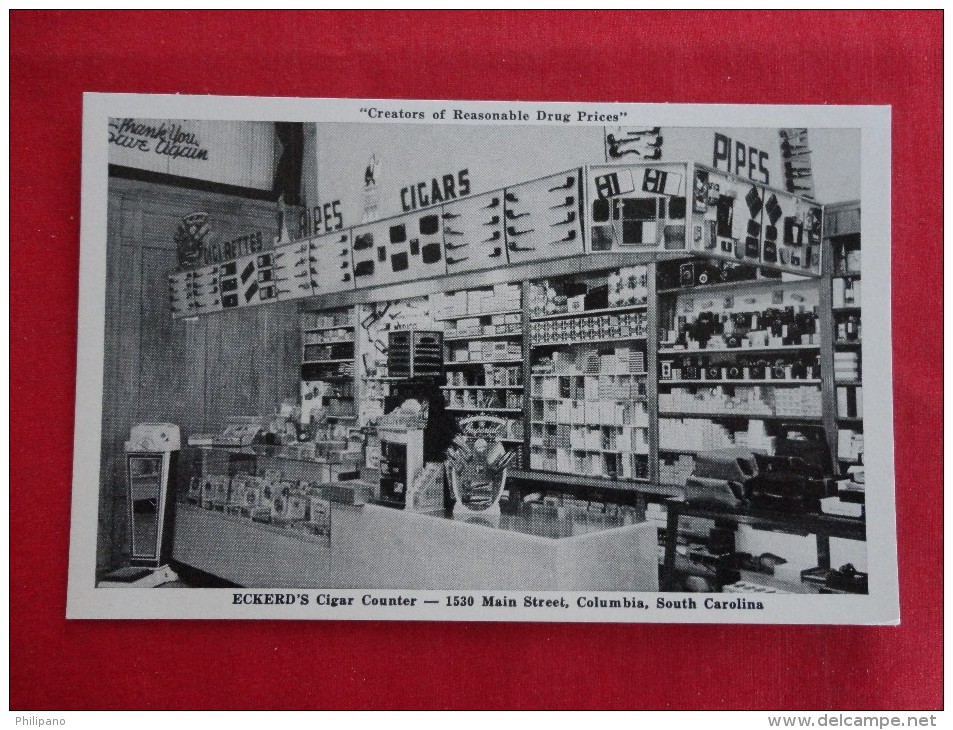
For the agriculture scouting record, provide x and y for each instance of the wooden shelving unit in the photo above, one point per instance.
(842, 259)
(328, 354)
(607, 439)
(489, 384)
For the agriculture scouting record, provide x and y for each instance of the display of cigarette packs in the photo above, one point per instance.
(292, 509)
(246, 495)
(215, 489)
(194, 495)
(318, 517)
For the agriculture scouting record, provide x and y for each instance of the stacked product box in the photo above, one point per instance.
(488, 375)
(850, 445)
(802, 401)
(846, 366)
(484, 350)
(693, 434)
(676, 470)
(475, 302)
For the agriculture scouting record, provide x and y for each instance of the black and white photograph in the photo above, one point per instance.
(484, 361)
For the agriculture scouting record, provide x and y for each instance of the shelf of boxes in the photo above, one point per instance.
(481, 387)
(588, 414)
(518, 333)
(748, 401)
(479, 352)
(484, 409)
(499, 399)
(327, 345)
(846, 301)
(491, 361)
(483, 339)
(483, 313)
(498, 300)
(681, 438)
(588, 409)
(330, 320)
(454, 317)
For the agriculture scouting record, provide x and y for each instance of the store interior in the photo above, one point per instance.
(639, 373)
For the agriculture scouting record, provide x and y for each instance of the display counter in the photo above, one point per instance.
(372, 546)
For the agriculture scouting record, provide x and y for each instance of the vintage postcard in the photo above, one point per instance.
(473, 361)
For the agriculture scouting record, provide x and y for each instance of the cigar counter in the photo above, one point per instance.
(624, 378)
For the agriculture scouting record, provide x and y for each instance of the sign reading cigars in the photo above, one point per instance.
(651, 207)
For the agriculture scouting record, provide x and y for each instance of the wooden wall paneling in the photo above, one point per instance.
(193, 372)
(123, 314)
(231, 386)
(107, 463)
(159, 349)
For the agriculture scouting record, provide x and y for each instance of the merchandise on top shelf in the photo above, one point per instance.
(493, 325)
(341, 319)
(477, 302)
(706, 272)
(624, 287)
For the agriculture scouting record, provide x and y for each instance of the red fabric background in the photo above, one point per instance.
(740, 57)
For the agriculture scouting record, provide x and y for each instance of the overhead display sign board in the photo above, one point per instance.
(739, 220)
(654, 208)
